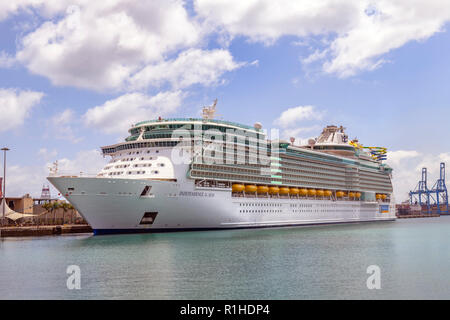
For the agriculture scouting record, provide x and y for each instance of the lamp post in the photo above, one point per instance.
(4, 183)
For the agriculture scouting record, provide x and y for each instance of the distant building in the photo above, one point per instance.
(23, 204)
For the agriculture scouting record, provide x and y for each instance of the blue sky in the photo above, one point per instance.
(77, 74)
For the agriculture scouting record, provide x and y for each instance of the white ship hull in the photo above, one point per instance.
(116, 206)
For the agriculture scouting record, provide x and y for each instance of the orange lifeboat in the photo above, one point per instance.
(312, 192)
(294, 191)
(263, 189)
(284, 190)
(379, 196)
(237, 187)
(303, 192)
(340, 194)
(250, 188)
(384, 196)
(274, 190)
(320, 193)
(352, 194)
(358, 195)
(328, 193)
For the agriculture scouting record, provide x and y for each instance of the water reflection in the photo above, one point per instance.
(327, 262)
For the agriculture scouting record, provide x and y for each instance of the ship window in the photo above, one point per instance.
(149, 218)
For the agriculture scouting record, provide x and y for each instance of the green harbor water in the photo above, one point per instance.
(327, 262)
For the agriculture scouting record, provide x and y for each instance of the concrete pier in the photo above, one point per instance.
(411, 216)
(35, 231)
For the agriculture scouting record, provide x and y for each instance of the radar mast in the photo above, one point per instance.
(209, 111)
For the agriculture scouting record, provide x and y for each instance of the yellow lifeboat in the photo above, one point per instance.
(320, 193)
(250, 188)
(263, 189)
(384, 196)
(379, 196)
(312, 192)
(284, 190)
(237, 187)
(358, 195)
(303, 192)
(274, 190)
(294, 191)
(340, 194)
(328, 193)
(351, 194)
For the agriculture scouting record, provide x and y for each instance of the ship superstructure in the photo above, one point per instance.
(190, 174)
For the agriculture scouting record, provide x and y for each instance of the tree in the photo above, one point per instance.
(47, 206)
(65, 206)
(55, 206)
(72, 208)
(52, 207)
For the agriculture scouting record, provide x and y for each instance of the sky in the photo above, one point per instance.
(76, 74)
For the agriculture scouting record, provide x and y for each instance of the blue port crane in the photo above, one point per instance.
(438, 194)
(421, 194)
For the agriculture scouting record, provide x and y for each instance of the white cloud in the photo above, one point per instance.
(108, 45)
(296, 132)
(408, 166)
(356, 33)
(23, 180)
(384, 26)
(6, 60)
(60, 126)
(88, 162)
(30, 179)
(301, 134)
(46, 154)
(117, 115)
(64, 117)
(15, 107)
(290, 119)
(101, 45)
(8, 8)
(266, 21)
(317, 55)
(293, 115)
(98, 45)
(193, 66)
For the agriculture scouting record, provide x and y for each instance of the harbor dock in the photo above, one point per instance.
(409, 211)
(411, 216)
(49, 230)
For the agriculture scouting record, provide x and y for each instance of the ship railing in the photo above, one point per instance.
(68, 174)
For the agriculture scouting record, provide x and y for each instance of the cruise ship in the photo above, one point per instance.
(208, 174)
